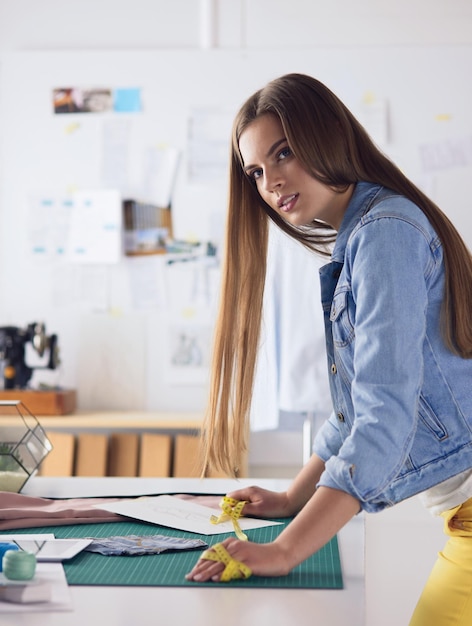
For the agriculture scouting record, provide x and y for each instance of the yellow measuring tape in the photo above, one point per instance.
(233, 569)
(232, 510)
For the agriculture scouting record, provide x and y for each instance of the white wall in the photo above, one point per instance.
(144, 24)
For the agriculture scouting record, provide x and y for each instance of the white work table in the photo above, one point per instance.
(200, 606)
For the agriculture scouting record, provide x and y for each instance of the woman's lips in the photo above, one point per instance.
(286, 203)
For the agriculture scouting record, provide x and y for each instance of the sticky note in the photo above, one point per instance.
(127, 100)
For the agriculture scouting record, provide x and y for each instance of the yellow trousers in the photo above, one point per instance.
(446, 599)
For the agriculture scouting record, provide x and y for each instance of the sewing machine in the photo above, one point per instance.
(13, 341)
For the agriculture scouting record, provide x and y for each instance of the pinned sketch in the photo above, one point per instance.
(446, 154)
(146, 283)
(209, 135)
(188, 350)
(95, 227)
(48, 224)
(374, 118)
(78, 227)
(160, 173)
(86, 287)
(193, 280)
(115, 152)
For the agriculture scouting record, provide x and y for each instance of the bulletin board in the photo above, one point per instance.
(415, 101)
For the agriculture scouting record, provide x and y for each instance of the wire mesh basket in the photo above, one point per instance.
(23, 445)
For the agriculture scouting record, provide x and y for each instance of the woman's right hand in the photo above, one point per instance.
(262, 502)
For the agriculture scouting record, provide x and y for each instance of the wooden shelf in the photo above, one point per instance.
(119, 420)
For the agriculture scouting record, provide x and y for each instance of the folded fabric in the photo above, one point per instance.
(21, 511)
(135, 545)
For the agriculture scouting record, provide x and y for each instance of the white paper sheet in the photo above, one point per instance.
(180, 514)
(95, 227)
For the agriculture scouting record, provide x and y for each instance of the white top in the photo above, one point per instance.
(448, 494)
(291, 373)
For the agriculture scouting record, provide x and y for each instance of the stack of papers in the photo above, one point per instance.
(49, 583)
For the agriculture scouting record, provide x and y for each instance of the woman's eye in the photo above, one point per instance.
(255, 174)
(283, 154)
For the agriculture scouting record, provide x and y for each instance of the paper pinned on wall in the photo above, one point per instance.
(447, 154)
(374, 118)
(111, 362)
(86, 287)
(115, 152)
(95, 227)
(75, 227)
(48, 224)
(146, 283)
(188, 350)
(209, 136)
(160, 173)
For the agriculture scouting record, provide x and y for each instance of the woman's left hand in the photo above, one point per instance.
(266, 559)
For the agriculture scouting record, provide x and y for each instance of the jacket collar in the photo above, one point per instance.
(359, 205)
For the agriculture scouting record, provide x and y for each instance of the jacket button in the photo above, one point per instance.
(340, 417)
(333, 368)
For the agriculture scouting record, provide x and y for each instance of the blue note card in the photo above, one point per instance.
(127, 100)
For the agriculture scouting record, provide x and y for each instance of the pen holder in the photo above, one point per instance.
(23, 445)
(19, 565)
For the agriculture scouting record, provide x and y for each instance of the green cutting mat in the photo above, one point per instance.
(320, 571)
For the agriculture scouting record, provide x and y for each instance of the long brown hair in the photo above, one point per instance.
(335, 149)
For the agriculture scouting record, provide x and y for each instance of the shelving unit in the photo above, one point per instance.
(122, 443)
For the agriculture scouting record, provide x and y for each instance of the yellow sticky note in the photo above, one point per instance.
(368, 97)
(443, 117)
(71, 128)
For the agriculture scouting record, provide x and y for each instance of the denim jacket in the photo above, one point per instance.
(402, 419)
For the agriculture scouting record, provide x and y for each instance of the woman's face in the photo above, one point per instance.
(281, 180)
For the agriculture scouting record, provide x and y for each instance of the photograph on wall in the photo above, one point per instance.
(96, 100)
(77, 100)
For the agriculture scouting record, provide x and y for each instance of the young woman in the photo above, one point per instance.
(397, 302)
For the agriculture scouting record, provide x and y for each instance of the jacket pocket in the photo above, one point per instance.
(430, 420)
(342, 327)
(431, 442)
